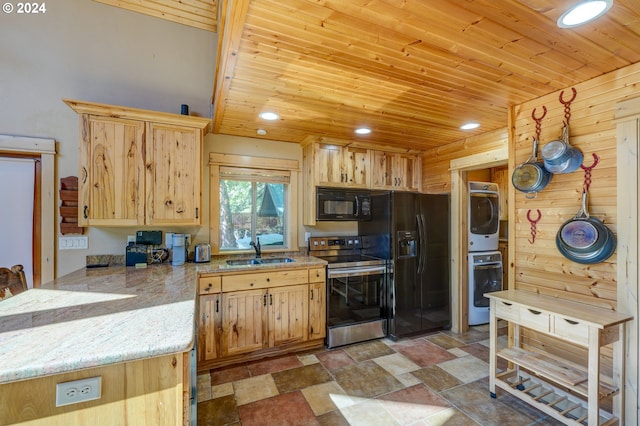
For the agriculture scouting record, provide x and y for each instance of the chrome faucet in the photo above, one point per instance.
(256, 247)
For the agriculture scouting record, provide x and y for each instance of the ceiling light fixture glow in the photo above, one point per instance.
(269, 116)
(363, 131)
(584, 12)
(261, 132)
(470, 126)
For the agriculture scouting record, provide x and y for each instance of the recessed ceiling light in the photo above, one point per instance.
(363, 130)
(584, 12)
(261, 132)
(470, 126)
(269, 116)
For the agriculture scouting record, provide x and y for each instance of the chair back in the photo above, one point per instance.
(12, 281)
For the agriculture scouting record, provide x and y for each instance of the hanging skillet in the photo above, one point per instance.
(559, 156)
(531, 177)
(585, 239)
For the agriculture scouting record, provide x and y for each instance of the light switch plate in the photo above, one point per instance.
(73, 243)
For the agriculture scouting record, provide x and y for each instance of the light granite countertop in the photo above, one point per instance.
(95, 317)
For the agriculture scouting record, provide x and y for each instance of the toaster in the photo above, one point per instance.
(202, 253)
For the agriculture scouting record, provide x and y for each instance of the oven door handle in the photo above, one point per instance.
(486, 266)
(353, 272)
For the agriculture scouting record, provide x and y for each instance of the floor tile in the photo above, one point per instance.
(369, 350)
(229, 374)
(473, 399)
(368, 412)
(422, 352)
(445, 341)
(335, 359)
(273, 365)
(436, 378)
(254, 389)
(467, 369)
(407, 379)
(222, 390)
(290, 409)
(334, 418)
(218, 411)
(308, 359)
(471, 336)
(409, 405)
(366, 379)
(457, 352)
(204, 387)
(396, 364)
(326, 397)
(450, 417)
(301, 377)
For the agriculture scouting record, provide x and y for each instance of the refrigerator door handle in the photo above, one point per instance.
(420, 220)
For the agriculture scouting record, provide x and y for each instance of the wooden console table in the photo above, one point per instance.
(568, 393)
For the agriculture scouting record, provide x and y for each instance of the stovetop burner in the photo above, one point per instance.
(341, 252)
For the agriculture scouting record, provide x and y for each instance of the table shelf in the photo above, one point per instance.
(566, 392)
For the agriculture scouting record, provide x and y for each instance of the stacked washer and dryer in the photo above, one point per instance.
(484, 259)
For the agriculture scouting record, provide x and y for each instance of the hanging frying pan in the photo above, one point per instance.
(585, 239)
(531, 177)
(559, 156)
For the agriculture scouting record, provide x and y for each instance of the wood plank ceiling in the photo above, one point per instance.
(411, 70)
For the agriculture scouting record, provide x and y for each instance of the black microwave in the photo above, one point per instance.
(343, 204)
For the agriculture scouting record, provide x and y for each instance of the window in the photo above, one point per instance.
(253, 198)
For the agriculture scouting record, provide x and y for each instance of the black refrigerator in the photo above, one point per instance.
(412, 231)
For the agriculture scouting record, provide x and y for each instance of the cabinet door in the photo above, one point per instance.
(209, 327)
(317, 310)
(329, 165)
(356, 166)
(173, 165)
(382, 170)
(406, 172)
(111, 183)
(243, 321)
(288, 314)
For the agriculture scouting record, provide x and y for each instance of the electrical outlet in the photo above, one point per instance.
(78, 391)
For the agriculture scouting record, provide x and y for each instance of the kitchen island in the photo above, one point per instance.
(134, 328)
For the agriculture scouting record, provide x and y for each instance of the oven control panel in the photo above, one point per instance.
(334, 243)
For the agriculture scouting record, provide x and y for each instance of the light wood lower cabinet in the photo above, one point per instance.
(572, 394)
(150, 392)
(255, 314)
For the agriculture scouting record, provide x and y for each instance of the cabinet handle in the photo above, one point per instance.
(271, 300)
(250, 284)
(571, 321)
(85, 212)
(203, 318)
(268, 280)
(508, 304)
(197, 212)
(534, 312)
(217, 305)
(264, 300)
(311, 294)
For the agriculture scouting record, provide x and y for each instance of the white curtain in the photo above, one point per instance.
(16, 213)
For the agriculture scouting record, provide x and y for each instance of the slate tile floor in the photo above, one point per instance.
(435, 379)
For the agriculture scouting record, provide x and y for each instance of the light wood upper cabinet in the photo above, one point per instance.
(174, 175)
(111, 177)
(342, 166)
(138, 167)
(391, 170)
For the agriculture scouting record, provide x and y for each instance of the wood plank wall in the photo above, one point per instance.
(436, 177)
(539, 267)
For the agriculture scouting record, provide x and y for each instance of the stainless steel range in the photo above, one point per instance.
(356, 290)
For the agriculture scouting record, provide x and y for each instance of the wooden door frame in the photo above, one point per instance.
(627, 117)
(44, 247)
(459, 205)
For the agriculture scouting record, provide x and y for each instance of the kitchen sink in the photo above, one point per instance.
(235, 262)
(276, 260)
(267, 260)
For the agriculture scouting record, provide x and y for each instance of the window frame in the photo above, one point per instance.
(217, 161)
